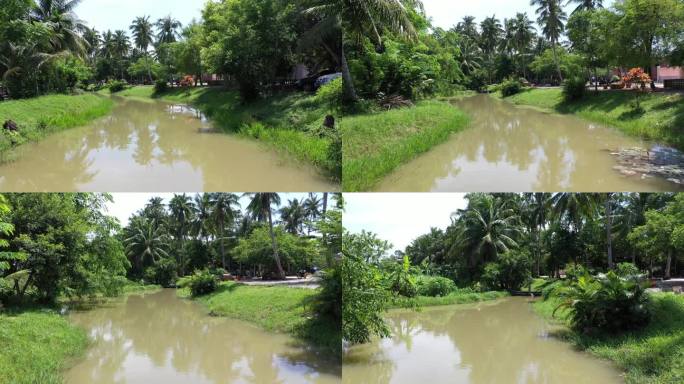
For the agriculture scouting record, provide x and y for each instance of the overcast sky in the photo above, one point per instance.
(399, 217)
(126, 204)
(118, 14)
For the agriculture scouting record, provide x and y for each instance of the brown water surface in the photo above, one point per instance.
(508, 148)
(159, 338)
(153, 146)
(501, 342)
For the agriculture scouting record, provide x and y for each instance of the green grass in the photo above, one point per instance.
(276, 309)
(43, 115)
(289, 122)
(654, 355)
(376, 144)
(35, 346)
(661, 117)
(453, 298)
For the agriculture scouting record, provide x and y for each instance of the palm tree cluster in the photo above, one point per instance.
(597, 231)
(213, 222)
(46, 33)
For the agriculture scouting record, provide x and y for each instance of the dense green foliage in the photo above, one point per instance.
(574, 88)
(434, 286)
(200, 283)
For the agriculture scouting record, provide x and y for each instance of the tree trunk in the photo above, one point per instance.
(668, 264)
(281, 273)
(348, 85)
(223, 251)
(609, 230)
(555, 58)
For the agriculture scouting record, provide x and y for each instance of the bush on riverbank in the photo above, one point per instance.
(38, 117)
(434, 286)
(376, 144)
(200, 283)
(660, 118)
(652, 355)
(35, 346)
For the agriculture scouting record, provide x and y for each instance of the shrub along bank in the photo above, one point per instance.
(652, 353)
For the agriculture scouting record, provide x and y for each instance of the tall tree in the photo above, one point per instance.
(260, 208)
(523, 34)
(551, 18)
(361, 18)
(143, 37)
(145, 241)
(167, 28)
(222, 213)
(182, 211)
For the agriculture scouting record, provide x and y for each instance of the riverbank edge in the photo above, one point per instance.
(452, 299)
(42, 116)
(654, 355)
(376, 144)
(299, 146)
(26, 331)
(277, 309)
(658, 121)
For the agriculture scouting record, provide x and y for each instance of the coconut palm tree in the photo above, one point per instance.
(360, 18)
(260, 207)
(143, 37)
(65, 27)
(468, 28)
(551, 18)
(121, 46)
(182, 212)
(145, 241)
(523, 34)
(312, 209)
(490, 36)
(574, 208)
(168, 30)
(201, 225)
(471, 56)
(586, 5)
(489, 226)
(93, 41)
(223, 212)
(293, 216)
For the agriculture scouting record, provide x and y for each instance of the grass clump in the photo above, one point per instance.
(376, 144)
(651, 355)
(660, 116)
(276, 309)
(43, 115)
(459, 296)
(35, 346)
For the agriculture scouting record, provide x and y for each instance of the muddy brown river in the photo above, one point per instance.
(153, 146)
(492, 342)
(508, 148)
(159, 338)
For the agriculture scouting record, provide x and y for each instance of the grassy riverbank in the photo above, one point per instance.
(458, 297)
(289, 122)
(35, 346)
(276, 309)
(654, 355)
(376, 144)
(43, 115)
(661, 117)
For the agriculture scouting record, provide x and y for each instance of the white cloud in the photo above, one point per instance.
(400, 217)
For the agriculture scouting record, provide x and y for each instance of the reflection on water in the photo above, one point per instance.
(496, 342)
(513, 149)
(158, 338)
(157, 147)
